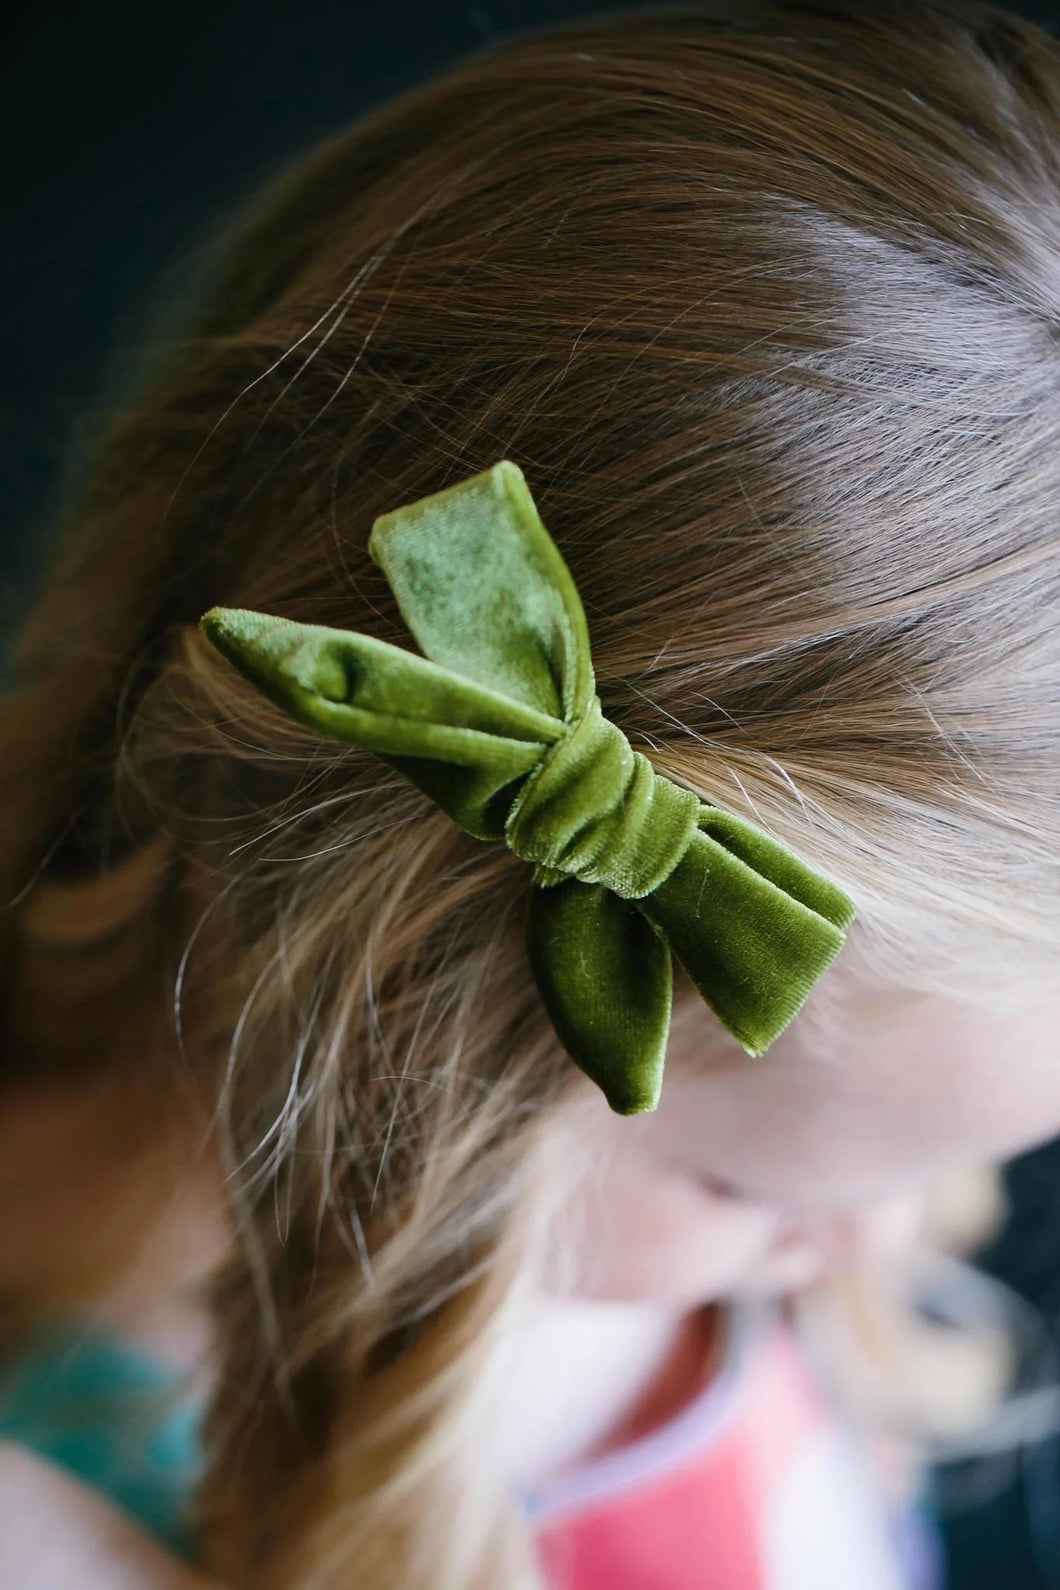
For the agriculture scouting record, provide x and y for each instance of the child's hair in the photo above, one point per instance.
(765, 302)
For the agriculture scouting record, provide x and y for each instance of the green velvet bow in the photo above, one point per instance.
(499, 723)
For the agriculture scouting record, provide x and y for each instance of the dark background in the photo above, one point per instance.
(128, 132)
(130, 129)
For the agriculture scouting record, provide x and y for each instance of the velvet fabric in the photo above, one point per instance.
(499, 723)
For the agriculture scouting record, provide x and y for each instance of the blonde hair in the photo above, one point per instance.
(763, 299)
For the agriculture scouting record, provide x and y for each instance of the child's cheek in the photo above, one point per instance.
(661, 1237)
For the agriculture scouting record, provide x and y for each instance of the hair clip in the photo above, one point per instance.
(500, 724)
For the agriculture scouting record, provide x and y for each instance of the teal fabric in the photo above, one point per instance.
(119, 1420)
(499, 723)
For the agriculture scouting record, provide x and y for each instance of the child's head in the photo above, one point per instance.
(763, 300)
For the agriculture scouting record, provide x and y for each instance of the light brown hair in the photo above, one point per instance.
(764, 300)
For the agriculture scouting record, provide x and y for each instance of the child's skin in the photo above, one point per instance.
(752, 1176)
(801, 1142)
(56, 1534)
(759, 1176)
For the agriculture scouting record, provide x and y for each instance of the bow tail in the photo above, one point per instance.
(751, 925)
(605, 978)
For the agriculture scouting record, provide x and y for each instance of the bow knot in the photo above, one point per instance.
(596, 810)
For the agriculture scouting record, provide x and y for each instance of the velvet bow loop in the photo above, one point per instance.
(464, 745)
